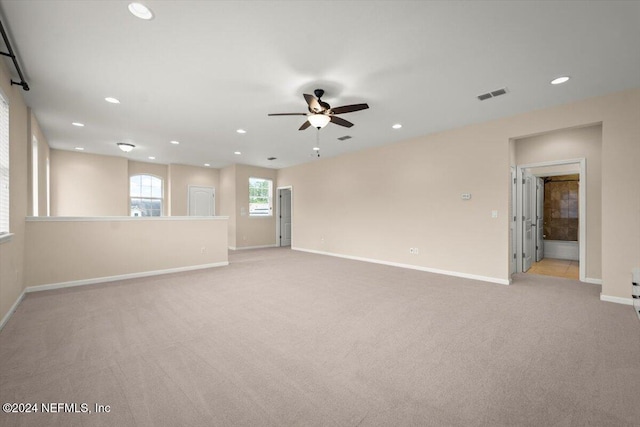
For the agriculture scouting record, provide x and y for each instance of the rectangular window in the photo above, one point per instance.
(4, 166)
(260, 197)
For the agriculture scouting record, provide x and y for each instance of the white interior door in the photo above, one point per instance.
(201, 201)
(285, 217)
(528, 238)
(539, 219)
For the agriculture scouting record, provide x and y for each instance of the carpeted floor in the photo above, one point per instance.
(284, 338)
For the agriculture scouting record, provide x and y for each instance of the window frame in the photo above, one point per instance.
(5, 170)
(147, 198)
(252, 213)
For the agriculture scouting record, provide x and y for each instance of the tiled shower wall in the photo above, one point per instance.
(561, 208)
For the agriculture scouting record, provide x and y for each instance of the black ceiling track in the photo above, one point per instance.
(11, 55)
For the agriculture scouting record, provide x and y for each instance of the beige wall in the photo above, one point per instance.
(12, 252)
(43, 157)
(566, 144)
(85, 184)
(378, 203)
(227, 199)
(181, 177)
(119, 246)
(253, 231)
(103, 189)
(245, 231)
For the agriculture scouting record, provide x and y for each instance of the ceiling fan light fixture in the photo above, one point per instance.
(125, 146)
(319, 120)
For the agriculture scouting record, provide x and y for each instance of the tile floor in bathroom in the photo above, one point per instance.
(556, 267)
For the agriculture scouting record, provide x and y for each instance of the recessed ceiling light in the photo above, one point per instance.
(112, 100)
(140, 11)
(241, 131)
(237, 153)
(560, 80)
(151, 158)
(80, 148)
(207, 164)
(397, 126)
(80, 125)
(175, 142)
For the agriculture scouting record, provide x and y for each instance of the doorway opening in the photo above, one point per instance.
(284, 216)
(557, 214)
(551, 207)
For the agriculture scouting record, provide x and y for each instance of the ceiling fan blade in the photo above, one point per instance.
(314, 105)
(287, 114)
(341, 121)
(349, 108)
(305, 125)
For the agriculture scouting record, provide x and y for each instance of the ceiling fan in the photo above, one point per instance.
(320, 113)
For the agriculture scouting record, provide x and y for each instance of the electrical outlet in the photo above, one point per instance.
(203, 250)
(416, 251)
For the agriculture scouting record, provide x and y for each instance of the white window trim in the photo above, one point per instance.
(270, 215)
(6, 238)
(162, 198)
(6, 234)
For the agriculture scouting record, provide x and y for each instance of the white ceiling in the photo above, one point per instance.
(202, 69)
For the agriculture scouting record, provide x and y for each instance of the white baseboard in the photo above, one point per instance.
(242, 248)
(618, 300)
(13, 308)
(96, 280)
(593, 281)
(409, 266)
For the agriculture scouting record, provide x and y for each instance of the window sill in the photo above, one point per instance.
(6, 238)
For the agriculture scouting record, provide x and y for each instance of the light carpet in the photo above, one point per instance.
(285, 338)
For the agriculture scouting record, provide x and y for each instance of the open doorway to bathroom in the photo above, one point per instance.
(552, 204)
(557, 226)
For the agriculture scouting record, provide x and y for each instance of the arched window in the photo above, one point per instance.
(145, 195)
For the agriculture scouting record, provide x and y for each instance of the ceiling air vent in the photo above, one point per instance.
(493, 94)
(344, 138)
